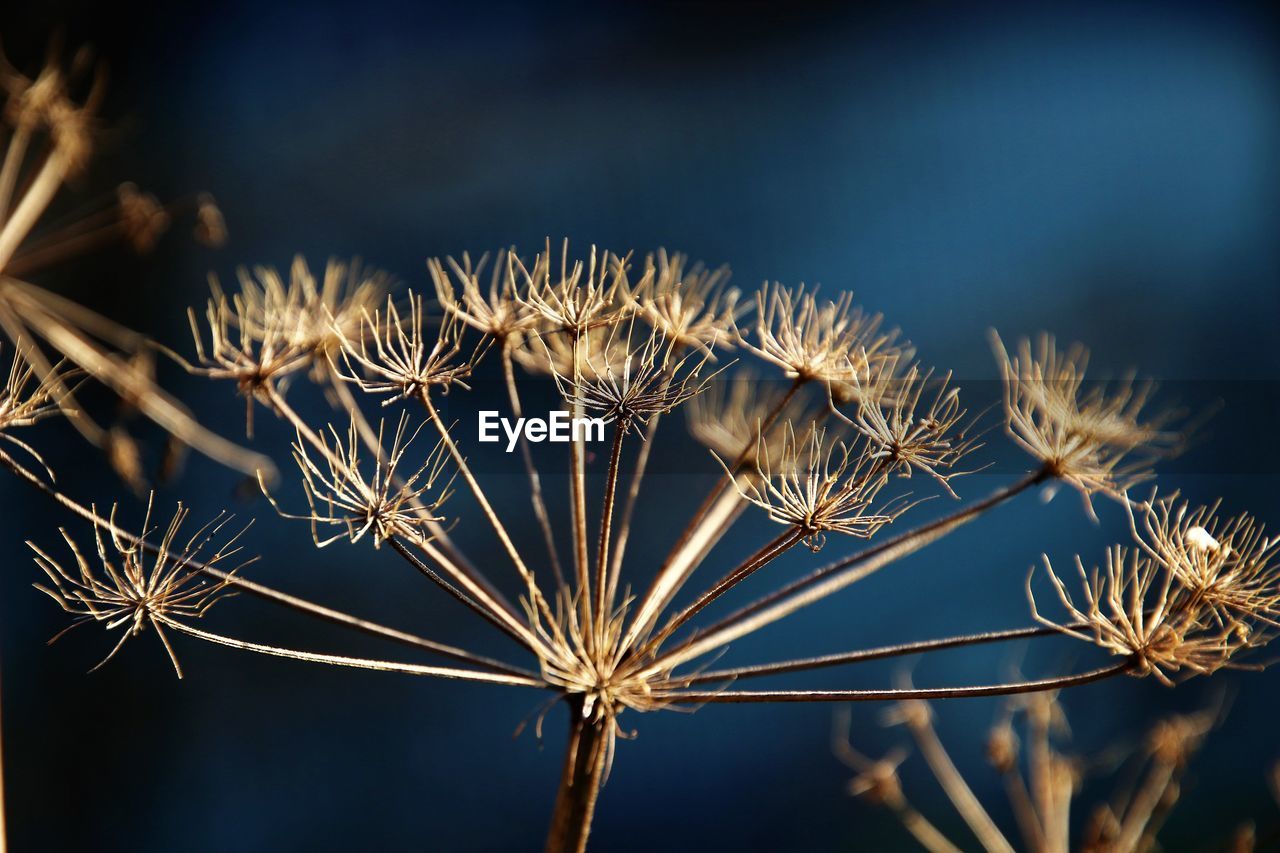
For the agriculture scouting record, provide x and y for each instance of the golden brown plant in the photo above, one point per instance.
(593, 641)
(49, 142)
(1095, 438)
(123, 592)
(1040, 779)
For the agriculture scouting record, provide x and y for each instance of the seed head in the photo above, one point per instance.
(382, 502)
(820, 487)
(817, 340)
(396, 355)
(495, 311)
(906, 438)
(649, 381)
(1096, 439)
(692, 308)
(1228, 564)
(1135, 607)
(582, 296)
(129, 590)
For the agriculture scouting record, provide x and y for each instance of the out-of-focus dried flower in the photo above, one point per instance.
(1096, 439)
(727, 416)
(828, 341)
(691, 307)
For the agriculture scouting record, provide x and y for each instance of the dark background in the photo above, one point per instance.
(1105, 171)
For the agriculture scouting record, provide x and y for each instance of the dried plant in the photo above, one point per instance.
(49, 142)
(631, 344)
(1025, 746)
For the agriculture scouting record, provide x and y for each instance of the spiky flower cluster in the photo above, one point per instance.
(383, 502)
(1184, 601)
(631, 345)
(820, 486)
(629, 384)
(813, 340)
(395, 355)
(130, 590)
(1094, 437)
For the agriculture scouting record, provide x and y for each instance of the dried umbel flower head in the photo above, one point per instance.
(649, 381)
(25, 402)
(907, 438)
(1228, 564)
(1135, 608)
(396, 355)
(726, 418)
(252, 347)
(495, 310)
(819, 486)
(385, 502)
(318, 317)
(1096, 439)
(48, 143)
(583, 295)
(550, 353)
(692, 307)
(815, 340)
(129, 589)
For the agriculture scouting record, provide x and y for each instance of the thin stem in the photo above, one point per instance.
(603, 602)
(725, 479)
(485, 507)
(878, 653)
(836, 576)
(953, 783)
(356, 663)
(1144, 805)
(535, 481)
(761, 558)
(262, 591)
(690, 697)
(629, 506)
(580, 781)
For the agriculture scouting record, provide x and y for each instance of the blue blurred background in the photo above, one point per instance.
(1104, 171)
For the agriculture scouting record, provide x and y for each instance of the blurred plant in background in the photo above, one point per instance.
(1026, 746)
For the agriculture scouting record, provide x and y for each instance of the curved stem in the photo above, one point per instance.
(353, 662)
(688, 697)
